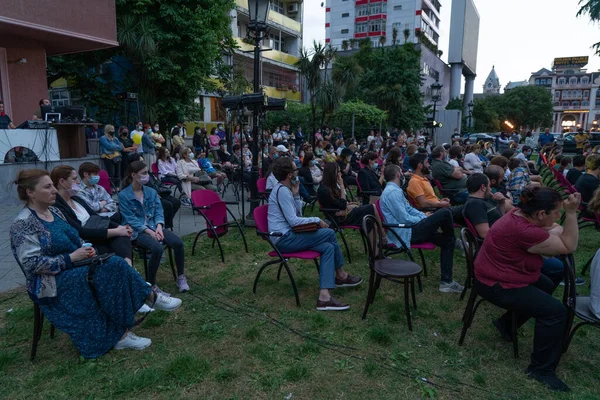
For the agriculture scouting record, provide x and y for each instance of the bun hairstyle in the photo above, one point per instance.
(27, 179)
(535, 198)
(134, 168)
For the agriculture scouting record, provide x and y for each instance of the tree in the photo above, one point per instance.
(592, 9)
(406, 33)
(485, 116)
(168, 52)
(455, 104)
(297, 114)
(344, 45)
(527, 106)
(365, 117)
(394, 36)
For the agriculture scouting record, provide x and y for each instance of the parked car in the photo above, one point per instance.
(476, 137)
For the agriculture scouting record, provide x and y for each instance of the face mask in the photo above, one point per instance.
(330, 150)
(140, 127)
(93, 180)
(191, 156)
(314, 162)
(275, 156)
(156, 129)
(295, 180)
(225, 147)
(149, 131)
(74, 190)
(143, 179)
(376, 165)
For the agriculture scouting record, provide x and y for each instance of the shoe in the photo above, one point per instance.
(158, 290)
(132, 341)
(578, 282)
(452, 287)
(506, 336)
(182, 284)
(165, 303)
(458, 245)
(350, 281)
(144, 309)
(331, 305)
(550, 380)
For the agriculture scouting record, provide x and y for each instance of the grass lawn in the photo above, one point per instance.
(227, 343)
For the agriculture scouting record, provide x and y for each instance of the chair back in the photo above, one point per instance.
(104, 180)
(154, 168)
(371, 233)
(438, 185)
(261, 185)
(471, 249)
(261, 218)
(215, 215)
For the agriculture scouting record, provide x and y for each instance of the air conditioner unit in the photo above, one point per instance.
(293, 8)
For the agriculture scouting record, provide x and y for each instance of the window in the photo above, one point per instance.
(562, 81)
(565, 104)
(361, 27)
(362, 11)
(575, 104)
(557, 94)
(375, 26)
(345, 31)
(579, 94)
(585, 103)
(585, 80)
(278, 6)
(398, 8)
(60, 97)
(345, 15)
(217, 113)
(276, 44)
(375, 9)
(573, 81)
(586, 94)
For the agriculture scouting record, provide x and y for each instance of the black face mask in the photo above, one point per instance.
(426, 171)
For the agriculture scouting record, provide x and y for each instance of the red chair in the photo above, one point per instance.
(329, 214)
(104, 181)
(262, 230)
(214, 211)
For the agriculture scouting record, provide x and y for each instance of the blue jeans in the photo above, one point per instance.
(156, 251)
(323, 241)
(461, 198)
(554, 269)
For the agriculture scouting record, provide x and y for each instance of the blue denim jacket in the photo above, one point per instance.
(396, 210)
(140, 217)
(148, 144)
(108, 147)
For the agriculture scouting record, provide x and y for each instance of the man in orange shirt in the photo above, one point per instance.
(419, 188)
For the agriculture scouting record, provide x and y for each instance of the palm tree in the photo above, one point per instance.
(406, 35)
(352, 43)
(394, 36)
(344, 45)
(309, 65)
(346, 72)
(382, 42)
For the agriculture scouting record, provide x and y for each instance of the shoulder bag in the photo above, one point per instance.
(303, 228)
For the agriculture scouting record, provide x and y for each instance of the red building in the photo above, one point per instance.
(32, 30)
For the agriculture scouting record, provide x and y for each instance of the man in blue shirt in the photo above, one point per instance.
(285, 212)
(545, 138)
(422, 228)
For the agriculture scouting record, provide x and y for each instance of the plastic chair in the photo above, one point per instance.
(38, 325)
(577, 306)
(470, 253)
(214, 211)
(262, 230)
(393, 270)
(105, 181)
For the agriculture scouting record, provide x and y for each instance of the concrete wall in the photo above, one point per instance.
(8, 173)
(27, 82)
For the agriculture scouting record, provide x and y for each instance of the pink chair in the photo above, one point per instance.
(329, 214)
(104, 181)
(214, 211)
(262, 230)
(261, 186)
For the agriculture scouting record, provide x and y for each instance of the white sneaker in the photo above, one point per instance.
(132, 341)
(165, 303)
(452, 287)
(145, 308)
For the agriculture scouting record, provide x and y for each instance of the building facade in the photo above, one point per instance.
(28, 36)
(492, 83)
(575, 94)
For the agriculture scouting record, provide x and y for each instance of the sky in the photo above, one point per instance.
(518, 37)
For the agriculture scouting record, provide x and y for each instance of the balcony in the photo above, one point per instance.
(274, 55)
(276, 18)
(431, 4)
(282, 94)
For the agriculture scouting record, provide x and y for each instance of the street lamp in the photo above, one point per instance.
(259, 14)
(470, 106)
(436, 94)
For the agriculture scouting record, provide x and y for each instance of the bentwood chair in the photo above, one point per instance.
(38, 325)
(398, 271)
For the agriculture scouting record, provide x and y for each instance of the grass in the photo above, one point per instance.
(227, 343)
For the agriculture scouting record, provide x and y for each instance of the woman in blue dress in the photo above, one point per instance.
(46, 248)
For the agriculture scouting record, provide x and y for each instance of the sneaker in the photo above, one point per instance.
(132, 341)
(182, 284)
(144, 309)
(350, 281)
(458, 245)
(550, 380)
(452, 287)
(331, 305)
(578, 282)
(165, 303)
(156, 289)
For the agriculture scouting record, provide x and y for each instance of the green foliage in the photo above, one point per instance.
(172, 48)
(485, 115)
(455, 104)
(365, 117)
(592, 9)
(297, 114)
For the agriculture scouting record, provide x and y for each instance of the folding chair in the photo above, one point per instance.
(214, 211)
(262, 230)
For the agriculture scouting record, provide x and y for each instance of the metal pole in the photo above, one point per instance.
(352, 126)
(434, 110)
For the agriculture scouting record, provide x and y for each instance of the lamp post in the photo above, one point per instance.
(436, 94)
(595, 125)
(259, 13)
(470, 106)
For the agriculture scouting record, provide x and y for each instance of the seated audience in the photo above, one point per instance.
(141, 209)
(106, 235)
(419, 188)
(483, 208)
(167, 171)
(188, 171)
(508, 271)
(305, 173)
(396, 210)
(207, 167)
(223, 156)
(46, 248)
(565, 165)
(577, 170)
(111, 149)
(411, 150)
(472, 161)
(502, 162)
(518, 179)
(94, 195)
(345, 161)
(589, 182)
(453, 181)
(170, 203)
(285, 212)
(594, 207)
(368, 179)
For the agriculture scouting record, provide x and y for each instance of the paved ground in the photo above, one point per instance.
(11, 276)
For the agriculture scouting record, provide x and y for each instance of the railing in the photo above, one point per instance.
(276, 18)
(274, 55)
(282, 94)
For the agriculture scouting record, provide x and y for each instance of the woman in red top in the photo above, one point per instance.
(510, 273)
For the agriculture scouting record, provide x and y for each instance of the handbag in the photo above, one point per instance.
(97, 222)
(204, 178)
(303, 228)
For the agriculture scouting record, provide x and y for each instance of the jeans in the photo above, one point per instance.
(156, 251)
(170, 205)
(323, 241)
(461, 198)
(554, 269)
(427, 230)
(535, 301)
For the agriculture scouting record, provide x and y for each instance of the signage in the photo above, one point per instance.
(570, 62)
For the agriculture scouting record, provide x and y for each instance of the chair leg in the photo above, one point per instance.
(377, 284)
(586, 266)
(37, 328)
(317, 264)
(420, 284)
(52, 330)
(279, 272)
(515, 338)
(370, 294)
(243, 236)
(412, 291)
(424, 263)
(287, 268)
(220, 248)
(260, 271)
(468, 316)
(407, 304)
(195, 240)
(346, 246)
(170, 251)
